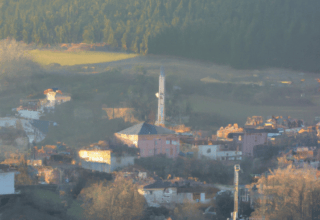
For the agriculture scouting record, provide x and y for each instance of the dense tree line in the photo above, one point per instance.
(250, 33)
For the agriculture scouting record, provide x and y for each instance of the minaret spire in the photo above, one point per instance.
(161, 99)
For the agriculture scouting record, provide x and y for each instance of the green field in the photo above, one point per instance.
(45, 57)
(239, 112)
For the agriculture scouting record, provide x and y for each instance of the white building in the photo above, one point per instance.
(208, 151)
(54, 96)
(213, 152)
(165, 193)
(104, 160)
(7, 183)
(28, 114)
(229, 155)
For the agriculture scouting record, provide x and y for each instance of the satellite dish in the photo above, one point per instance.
(157, 95)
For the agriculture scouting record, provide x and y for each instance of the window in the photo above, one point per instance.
(141, 151)
(171, 151)
(167, 141)
(150, 152)
(155, 142)
(167, 151)
(155, 151)
(209, 150)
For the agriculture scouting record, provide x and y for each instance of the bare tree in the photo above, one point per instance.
(188, 211)
(15, 61)
(119, 200)
(289, 194)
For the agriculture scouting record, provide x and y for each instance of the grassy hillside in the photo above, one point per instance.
(45, 57)
(211, 95)
(238, 112)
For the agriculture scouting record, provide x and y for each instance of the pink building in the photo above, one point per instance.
(246, 140)
(151, 140)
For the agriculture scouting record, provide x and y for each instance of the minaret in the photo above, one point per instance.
(161, 99)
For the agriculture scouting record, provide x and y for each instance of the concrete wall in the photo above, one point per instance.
(156, 197)
(151, 145)
(229, 155)
(101, 167)
(115, 163)
(119, 162)
(159, 197)
(209, 151)
(252, 139)
(29, 114)
(213, 152)
(6, 183)
(184, 197)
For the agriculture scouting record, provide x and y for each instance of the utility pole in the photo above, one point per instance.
(236, 191)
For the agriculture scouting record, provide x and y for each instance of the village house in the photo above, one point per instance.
(171, 192)
(54, 97)
(104, 159)
(249, 138)
(218, 152)
(151, 140)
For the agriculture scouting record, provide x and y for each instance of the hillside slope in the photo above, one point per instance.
(243, 34)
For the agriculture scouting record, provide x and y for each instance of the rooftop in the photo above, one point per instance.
(159, 184)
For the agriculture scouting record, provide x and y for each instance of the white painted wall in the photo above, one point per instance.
(213, 152)
(229, 155)
(209, 151)
(121, 162)
(105, 167)
(158, 197)
(184, 197)
(29, 114)
(6, 183)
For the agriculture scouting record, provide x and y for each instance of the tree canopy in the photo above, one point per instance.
(249, 33)
(119, 200)
(289, 193)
